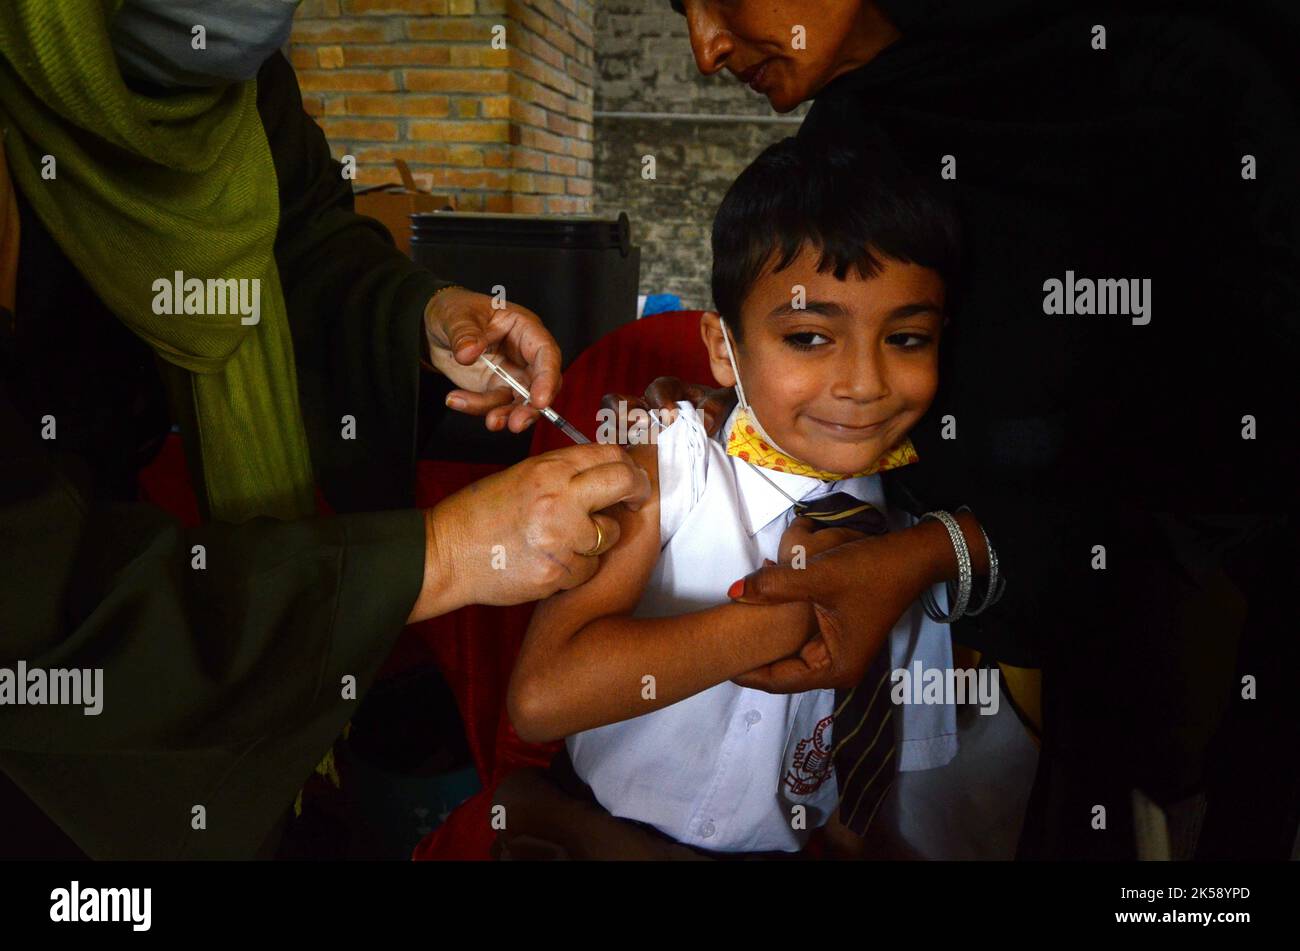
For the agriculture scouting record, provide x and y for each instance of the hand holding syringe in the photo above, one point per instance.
(567, 427)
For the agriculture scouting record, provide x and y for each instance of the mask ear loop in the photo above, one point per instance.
(731, 357)
(740, 395)
(740, 389)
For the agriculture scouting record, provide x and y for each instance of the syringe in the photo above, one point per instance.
(565, 426)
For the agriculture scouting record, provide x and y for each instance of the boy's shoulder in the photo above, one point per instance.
(683, 443)
(646, 455)
(675, 444)
(685, 423)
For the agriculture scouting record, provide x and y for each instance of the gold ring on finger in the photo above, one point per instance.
(600, 538)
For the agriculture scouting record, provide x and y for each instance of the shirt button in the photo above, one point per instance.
(752, 717)
(707, 828)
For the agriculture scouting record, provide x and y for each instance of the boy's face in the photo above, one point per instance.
(842, 380)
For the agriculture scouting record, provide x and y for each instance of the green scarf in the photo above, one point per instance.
(146, 187)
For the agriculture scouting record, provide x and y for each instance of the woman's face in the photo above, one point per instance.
(787, 50)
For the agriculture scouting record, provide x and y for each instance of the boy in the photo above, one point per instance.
(830, 277)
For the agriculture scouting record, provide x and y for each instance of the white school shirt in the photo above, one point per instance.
(714, 770)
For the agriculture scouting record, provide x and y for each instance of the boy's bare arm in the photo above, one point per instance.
(584, 662)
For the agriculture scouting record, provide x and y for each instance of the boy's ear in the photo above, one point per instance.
(711, 334)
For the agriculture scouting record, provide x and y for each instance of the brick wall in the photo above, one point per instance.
(552, 124)
(644, 65)
(501, 129)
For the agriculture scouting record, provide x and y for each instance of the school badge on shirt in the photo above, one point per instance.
(812, 762)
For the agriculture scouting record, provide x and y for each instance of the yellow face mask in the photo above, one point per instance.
(748, 441)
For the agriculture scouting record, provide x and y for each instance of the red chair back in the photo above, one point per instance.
(626, 360)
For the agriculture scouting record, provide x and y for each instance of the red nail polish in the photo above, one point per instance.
(737, 589)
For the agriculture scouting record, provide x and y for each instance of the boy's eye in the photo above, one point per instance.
(806, 341)
(909, 341)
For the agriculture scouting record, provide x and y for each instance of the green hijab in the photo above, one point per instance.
(144, 188)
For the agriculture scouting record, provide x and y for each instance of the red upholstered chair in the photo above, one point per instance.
(476, 646)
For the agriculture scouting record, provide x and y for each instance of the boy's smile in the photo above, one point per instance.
(841, 380)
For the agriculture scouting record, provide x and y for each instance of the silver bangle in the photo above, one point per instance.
(995, 585)
(964, 573)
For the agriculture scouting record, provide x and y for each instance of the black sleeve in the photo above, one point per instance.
(1194, 494)
(221, 684)
(356, 306)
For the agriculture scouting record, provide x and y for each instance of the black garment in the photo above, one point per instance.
(1253, 786)
(1076, 431)
(222, 687)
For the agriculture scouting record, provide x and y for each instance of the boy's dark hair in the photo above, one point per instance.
(677, 6)
(855, 204)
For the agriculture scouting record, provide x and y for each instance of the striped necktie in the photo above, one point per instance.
(863, 730)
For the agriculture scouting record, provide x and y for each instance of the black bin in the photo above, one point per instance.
(579, 274)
